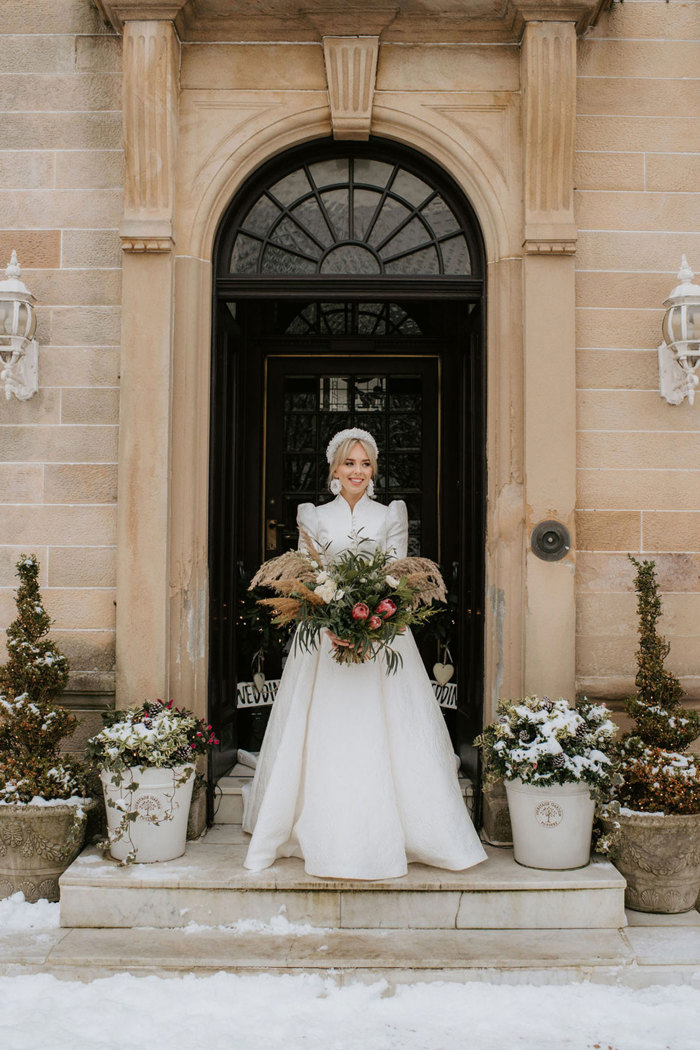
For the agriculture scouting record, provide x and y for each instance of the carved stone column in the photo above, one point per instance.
(548, 78)
(150, 105)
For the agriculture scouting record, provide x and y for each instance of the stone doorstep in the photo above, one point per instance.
(210, 886)
(228, 800)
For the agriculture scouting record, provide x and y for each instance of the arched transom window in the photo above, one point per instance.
(351, 215)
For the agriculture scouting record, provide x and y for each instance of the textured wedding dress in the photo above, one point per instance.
(356, 772)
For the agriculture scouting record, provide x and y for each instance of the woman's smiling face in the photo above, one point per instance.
(354, 473)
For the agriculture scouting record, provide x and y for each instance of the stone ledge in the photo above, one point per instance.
(210, 885)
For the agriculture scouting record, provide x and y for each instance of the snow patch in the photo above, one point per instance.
(16, 913)
(309, 1012)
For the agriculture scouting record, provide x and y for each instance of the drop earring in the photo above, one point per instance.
(335, 486)
(370, 488)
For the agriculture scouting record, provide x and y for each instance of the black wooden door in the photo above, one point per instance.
(310, 398)
(287, 375)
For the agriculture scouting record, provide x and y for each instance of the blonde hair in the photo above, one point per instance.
(343, 451)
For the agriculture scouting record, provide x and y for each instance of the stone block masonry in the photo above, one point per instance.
(61, 200)
(637, 208)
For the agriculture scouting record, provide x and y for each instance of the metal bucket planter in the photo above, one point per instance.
(552, 825)
(161, 804)
(37, 844)
(660, 858)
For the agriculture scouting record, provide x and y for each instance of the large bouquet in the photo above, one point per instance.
(364, 600)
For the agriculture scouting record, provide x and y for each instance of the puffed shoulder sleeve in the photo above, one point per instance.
(307, 520)
(397, 529)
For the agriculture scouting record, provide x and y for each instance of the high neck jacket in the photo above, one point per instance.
(336, 527)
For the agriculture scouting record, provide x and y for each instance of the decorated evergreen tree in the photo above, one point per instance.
(32, 724)
(658, 775)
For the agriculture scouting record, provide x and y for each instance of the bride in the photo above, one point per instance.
(356, 774)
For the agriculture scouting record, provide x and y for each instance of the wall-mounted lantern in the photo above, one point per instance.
(19, 351)
(679, 354)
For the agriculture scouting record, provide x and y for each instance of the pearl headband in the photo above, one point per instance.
(342, 435)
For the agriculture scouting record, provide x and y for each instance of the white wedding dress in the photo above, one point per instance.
(356, 774)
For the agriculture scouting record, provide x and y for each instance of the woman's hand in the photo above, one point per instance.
(340, 643)
(336, 641)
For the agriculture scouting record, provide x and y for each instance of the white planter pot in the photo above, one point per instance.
(162, 801)
(552, 826)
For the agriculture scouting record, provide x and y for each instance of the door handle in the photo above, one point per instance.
(271, 527)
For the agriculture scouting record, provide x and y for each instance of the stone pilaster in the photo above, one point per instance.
(548, 70)
(150, 103)
(150, 98)
(549, 114)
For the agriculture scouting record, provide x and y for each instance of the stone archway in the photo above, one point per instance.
(206, 151)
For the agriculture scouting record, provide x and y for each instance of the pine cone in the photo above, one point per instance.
(558, 761)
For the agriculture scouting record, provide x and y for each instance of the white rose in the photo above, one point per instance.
(392, 581)
(321, 577)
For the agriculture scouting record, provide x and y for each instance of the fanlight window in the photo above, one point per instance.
(351, 215)
(339, 319)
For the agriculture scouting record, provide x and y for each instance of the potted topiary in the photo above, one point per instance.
(656, 808)
(555, 765)
(43, 797)
(146, 760)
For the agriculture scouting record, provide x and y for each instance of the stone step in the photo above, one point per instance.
(210, 886)
(397, 956)
(228, 800)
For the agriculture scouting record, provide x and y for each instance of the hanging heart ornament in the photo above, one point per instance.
(259, 681)
(443, 673)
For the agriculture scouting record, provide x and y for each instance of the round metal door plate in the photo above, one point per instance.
(550, 540)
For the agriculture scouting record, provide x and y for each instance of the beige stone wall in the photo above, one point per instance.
(638, 208)
(61, 177)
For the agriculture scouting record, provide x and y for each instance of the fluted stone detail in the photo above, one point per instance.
(351, 70)
(549, 114)
(150, 102)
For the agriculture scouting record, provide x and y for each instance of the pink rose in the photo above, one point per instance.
(374, 622)
(360, 611)
(386, 608)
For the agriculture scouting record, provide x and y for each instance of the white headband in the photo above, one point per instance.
(342, 435)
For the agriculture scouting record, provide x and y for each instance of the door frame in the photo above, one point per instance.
(468, 289)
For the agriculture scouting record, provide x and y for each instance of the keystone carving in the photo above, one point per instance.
(549, 112)
(351, 72)
(150, 100)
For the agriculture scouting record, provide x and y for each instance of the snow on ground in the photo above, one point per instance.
(308, 1012)
(17, 914)
(227, 1012)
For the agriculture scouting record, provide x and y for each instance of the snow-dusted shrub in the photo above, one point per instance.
(32, 723)
(657, 775)
(155, 734)
(543, 741)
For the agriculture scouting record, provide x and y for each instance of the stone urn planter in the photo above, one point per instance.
(37, 844)
(660, 858)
